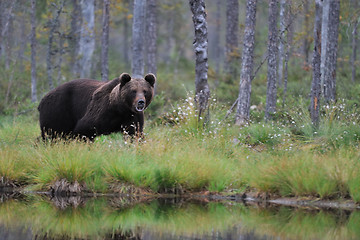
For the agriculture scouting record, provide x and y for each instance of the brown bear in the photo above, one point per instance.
(88, 108)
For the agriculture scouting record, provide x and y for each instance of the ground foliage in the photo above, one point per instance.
(180, 154)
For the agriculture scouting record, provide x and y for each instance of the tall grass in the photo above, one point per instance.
(181, 154)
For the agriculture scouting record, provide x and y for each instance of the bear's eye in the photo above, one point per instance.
(145, 92)
(133, 92)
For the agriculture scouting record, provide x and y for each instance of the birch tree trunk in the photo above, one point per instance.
(307, 31)
(331, 51)
(243, 106)
(105, 41)
(354, 42)
(5, 21)
(289, 37)
(232, 42)
(151, 36)
(87, 37)
(324, 39)
(138, 29)
(52, 24)
(74, 36)
(316, 61)
(33, 51)
(217, 41)
(202, 93)
(281, 41)
(271, 91)
(23, 43)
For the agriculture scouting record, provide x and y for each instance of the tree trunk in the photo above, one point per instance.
(33, 51)
(5, 23)
(137, 66)
(354, 42)
(9, 42)
(307, 31)
(126, 35)
(87, 37)
(23, 33)
(202, 93)
(105, 41)
(217, 41)
(151, 36)
(331, 51)
(53, 24)
(232, 43)
(324, 39)
(243, 106)
(289, 37)
(281, 41)
(316, 61)
(271, 91)
(61, 52)
(74, 36)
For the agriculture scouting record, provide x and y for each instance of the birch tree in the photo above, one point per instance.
(105, 41)
(87, 37)
(137, 66)
(289, 37)
(33, 51)
(151, 36)
(217, 40)
(232, 42)
(281, 41)
(271, 90)
(315, 85)
(331, 51)
(202, 90)
(243, 106)
(324, 39)
(354, 42)
(74, 35)
(5, 22)
(307, 41)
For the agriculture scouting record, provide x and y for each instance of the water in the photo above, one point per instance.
(39, 217)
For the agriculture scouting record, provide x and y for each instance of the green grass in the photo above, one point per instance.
(287, 157)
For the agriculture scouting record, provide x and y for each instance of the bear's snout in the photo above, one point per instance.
(140, 105)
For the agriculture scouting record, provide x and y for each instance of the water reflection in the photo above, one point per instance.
(38, 217)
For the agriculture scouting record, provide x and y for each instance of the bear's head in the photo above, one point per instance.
(136, 93)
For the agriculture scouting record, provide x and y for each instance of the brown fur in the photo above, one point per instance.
(88, 108)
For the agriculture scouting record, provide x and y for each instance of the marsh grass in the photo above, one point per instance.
(181, 154)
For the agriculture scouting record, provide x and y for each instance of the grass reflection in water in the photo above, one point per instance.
(109, 218)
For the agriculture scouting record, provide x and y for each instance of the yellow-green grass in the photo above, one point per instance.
(181, 154)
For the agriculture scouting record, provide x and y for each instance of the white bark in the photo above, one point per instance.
(331, 51)
(202, 93)
(271, 90)
(151, 36)
(281, 42)
(243, 107)
(324, 38)
(138, 29)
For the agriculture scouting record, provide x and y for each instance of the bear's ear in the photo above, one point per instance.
(124, 78)
(150, 78)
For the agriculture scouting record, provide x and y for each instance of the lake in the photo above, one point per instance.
(42, 217)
